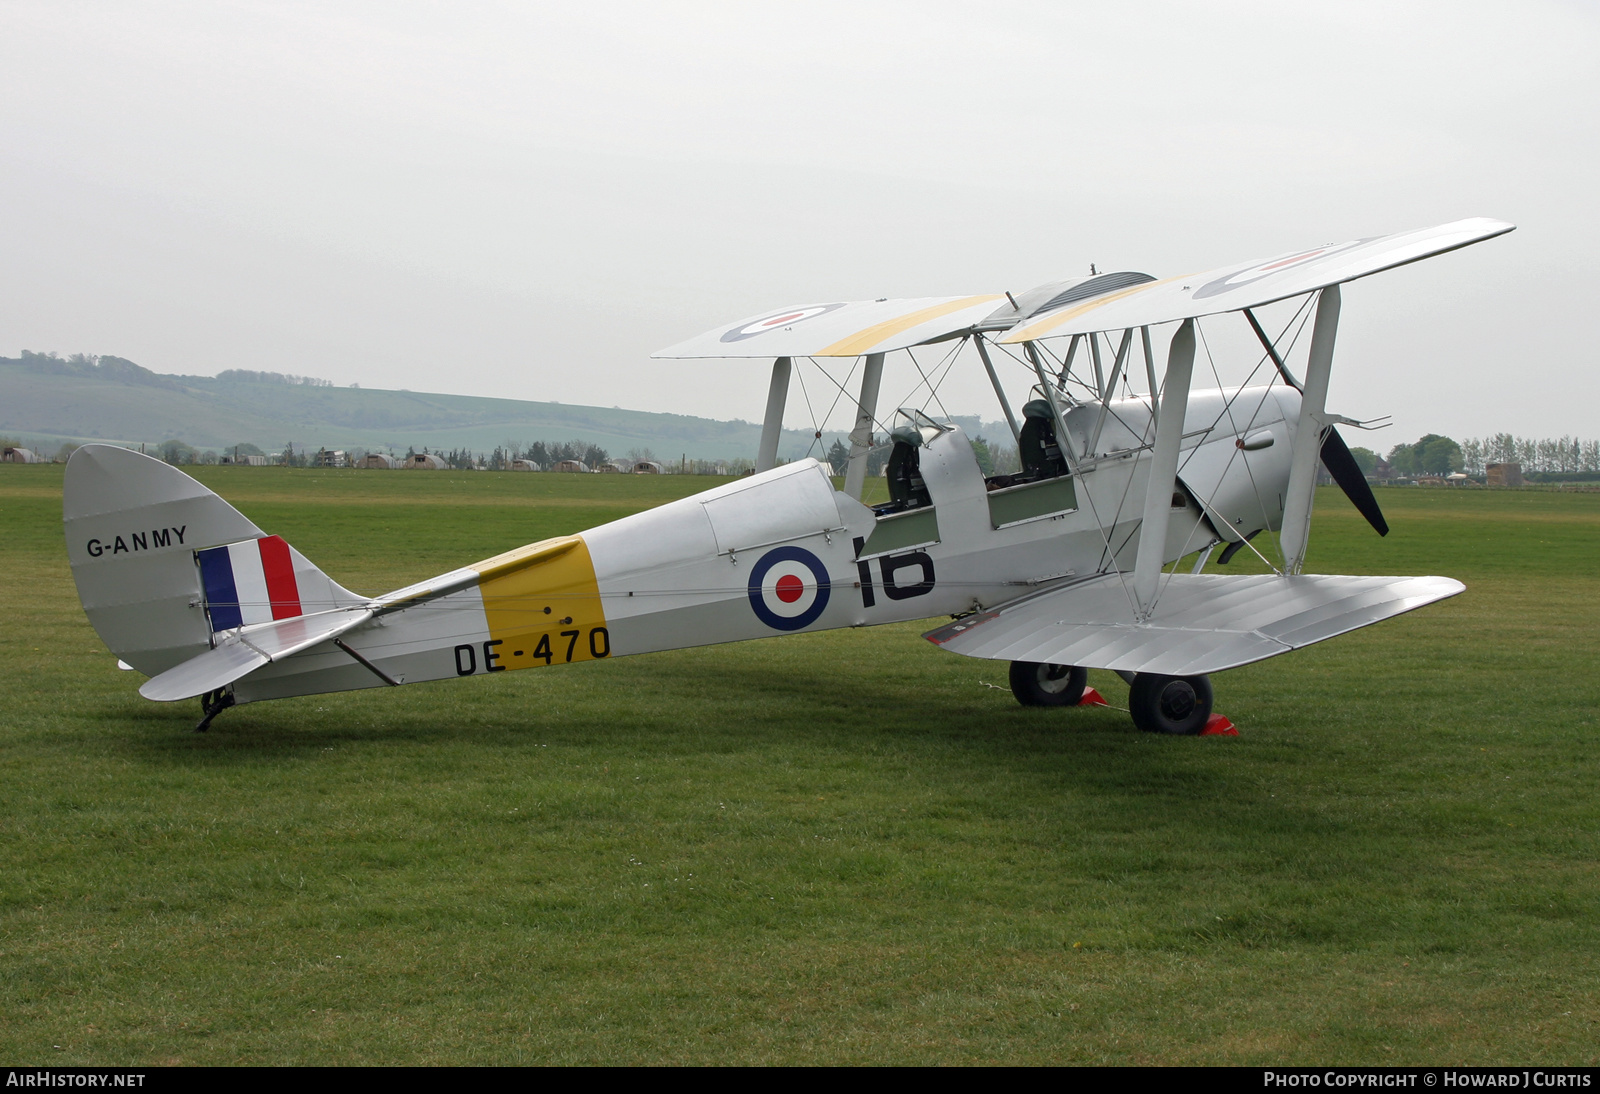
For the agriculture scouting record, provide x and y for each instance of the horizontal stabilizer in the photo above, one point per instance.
(1201, 623)
(1252, 284)
(240, 652)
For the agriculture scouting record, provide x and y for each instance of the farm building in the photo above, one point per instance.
(426, 461)
(244, 461)
(381, 462)
(647, 467)
(20, 455)
(613, 467)
(572, 466)
(524, 465)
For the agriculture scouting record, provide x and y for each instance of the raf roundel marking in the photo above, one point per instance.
(789, 588)
(778, 321)
(1240, 278)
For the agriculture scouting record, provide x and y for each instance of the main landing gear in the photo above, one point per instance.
(1037, 685)
(1178, 705)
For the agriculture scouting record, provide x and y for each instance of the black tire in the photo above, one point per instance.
(1179, 705)
(1039, 685)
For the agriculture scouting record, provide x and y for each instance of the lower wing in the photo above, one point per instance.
(1201, 623)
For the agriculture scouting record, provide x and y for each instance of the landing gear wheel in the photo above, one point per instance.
(1038, 685)
(1178, 705)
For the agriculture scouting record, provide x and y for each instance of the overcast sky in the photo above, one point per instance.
(526, 200)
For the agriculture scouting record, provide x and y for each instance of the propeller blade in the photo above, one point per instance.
(1346, 472)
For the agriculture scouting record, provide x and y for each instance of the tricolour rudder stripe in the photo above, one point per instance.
(250, 581)
(282, 591)
(222, 595)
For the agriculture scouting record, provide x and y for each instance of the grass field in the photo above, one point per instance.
(837, 848)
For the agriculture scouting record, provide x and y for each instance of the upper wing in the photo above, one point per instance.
(1201, 623)
(845, 329)
(1251, 284)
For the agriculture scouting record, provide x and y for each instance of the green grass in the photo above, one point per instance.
(835, 848)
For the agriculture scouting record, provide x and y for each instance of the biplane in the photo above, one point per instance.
(1070, 563)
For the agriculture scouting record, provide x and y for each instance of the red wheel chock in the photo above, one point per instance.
(1092, 698)
(1218, 726)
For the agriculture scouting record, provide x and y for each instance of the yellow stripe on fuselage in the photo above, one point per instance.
(1050, 322)
(862, 341)
(542, 604)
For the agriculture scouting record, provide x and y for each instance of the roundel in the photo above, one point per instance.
(778, 320)
(788, 588)
(1240, 278)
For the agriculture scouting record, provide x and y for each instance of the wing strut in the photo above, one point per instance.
(1272, 351)
(1105, 398)
(1000, 392)
(1150, 372)
(1066, 363)
(772, 427)
(855, 479)
(1308, 434)
(1163, 469)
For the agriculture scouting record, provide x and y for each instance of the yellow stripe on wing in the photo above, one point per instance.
(1050, 322)
(863, 341)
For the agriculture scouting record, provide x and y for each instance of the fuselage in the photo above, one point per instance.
(784, 551)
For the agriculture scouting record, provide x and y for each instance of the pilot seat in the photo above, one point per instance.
(906, 488)
(1037, 446)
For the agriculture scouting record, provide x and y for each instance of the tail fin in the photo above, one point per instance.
(162, 563)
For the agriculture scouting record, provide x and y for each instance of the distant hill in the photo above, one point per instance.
(45, 398)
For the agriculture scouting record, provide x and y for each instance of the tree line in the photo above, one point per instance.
(1435, 454)
(544, 453)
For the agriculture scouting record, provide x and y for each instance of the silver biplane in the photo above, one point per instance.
(1069, 564)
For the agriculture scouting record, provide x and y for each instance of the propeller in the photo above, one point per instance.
(1346, 472)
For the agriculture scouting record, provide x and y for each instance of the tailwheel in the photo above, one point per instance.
(213, 703)
(1039, 685)
(1179, 705)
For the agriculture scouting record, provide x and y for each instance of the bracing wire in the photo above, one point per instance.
(816, 429)
(932, 386)
(827, 417)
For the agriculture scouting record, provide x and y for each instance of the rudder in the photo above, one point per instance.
(162, 563)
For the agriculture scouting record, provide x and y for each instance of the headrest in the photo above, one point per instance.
(1037, 408)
